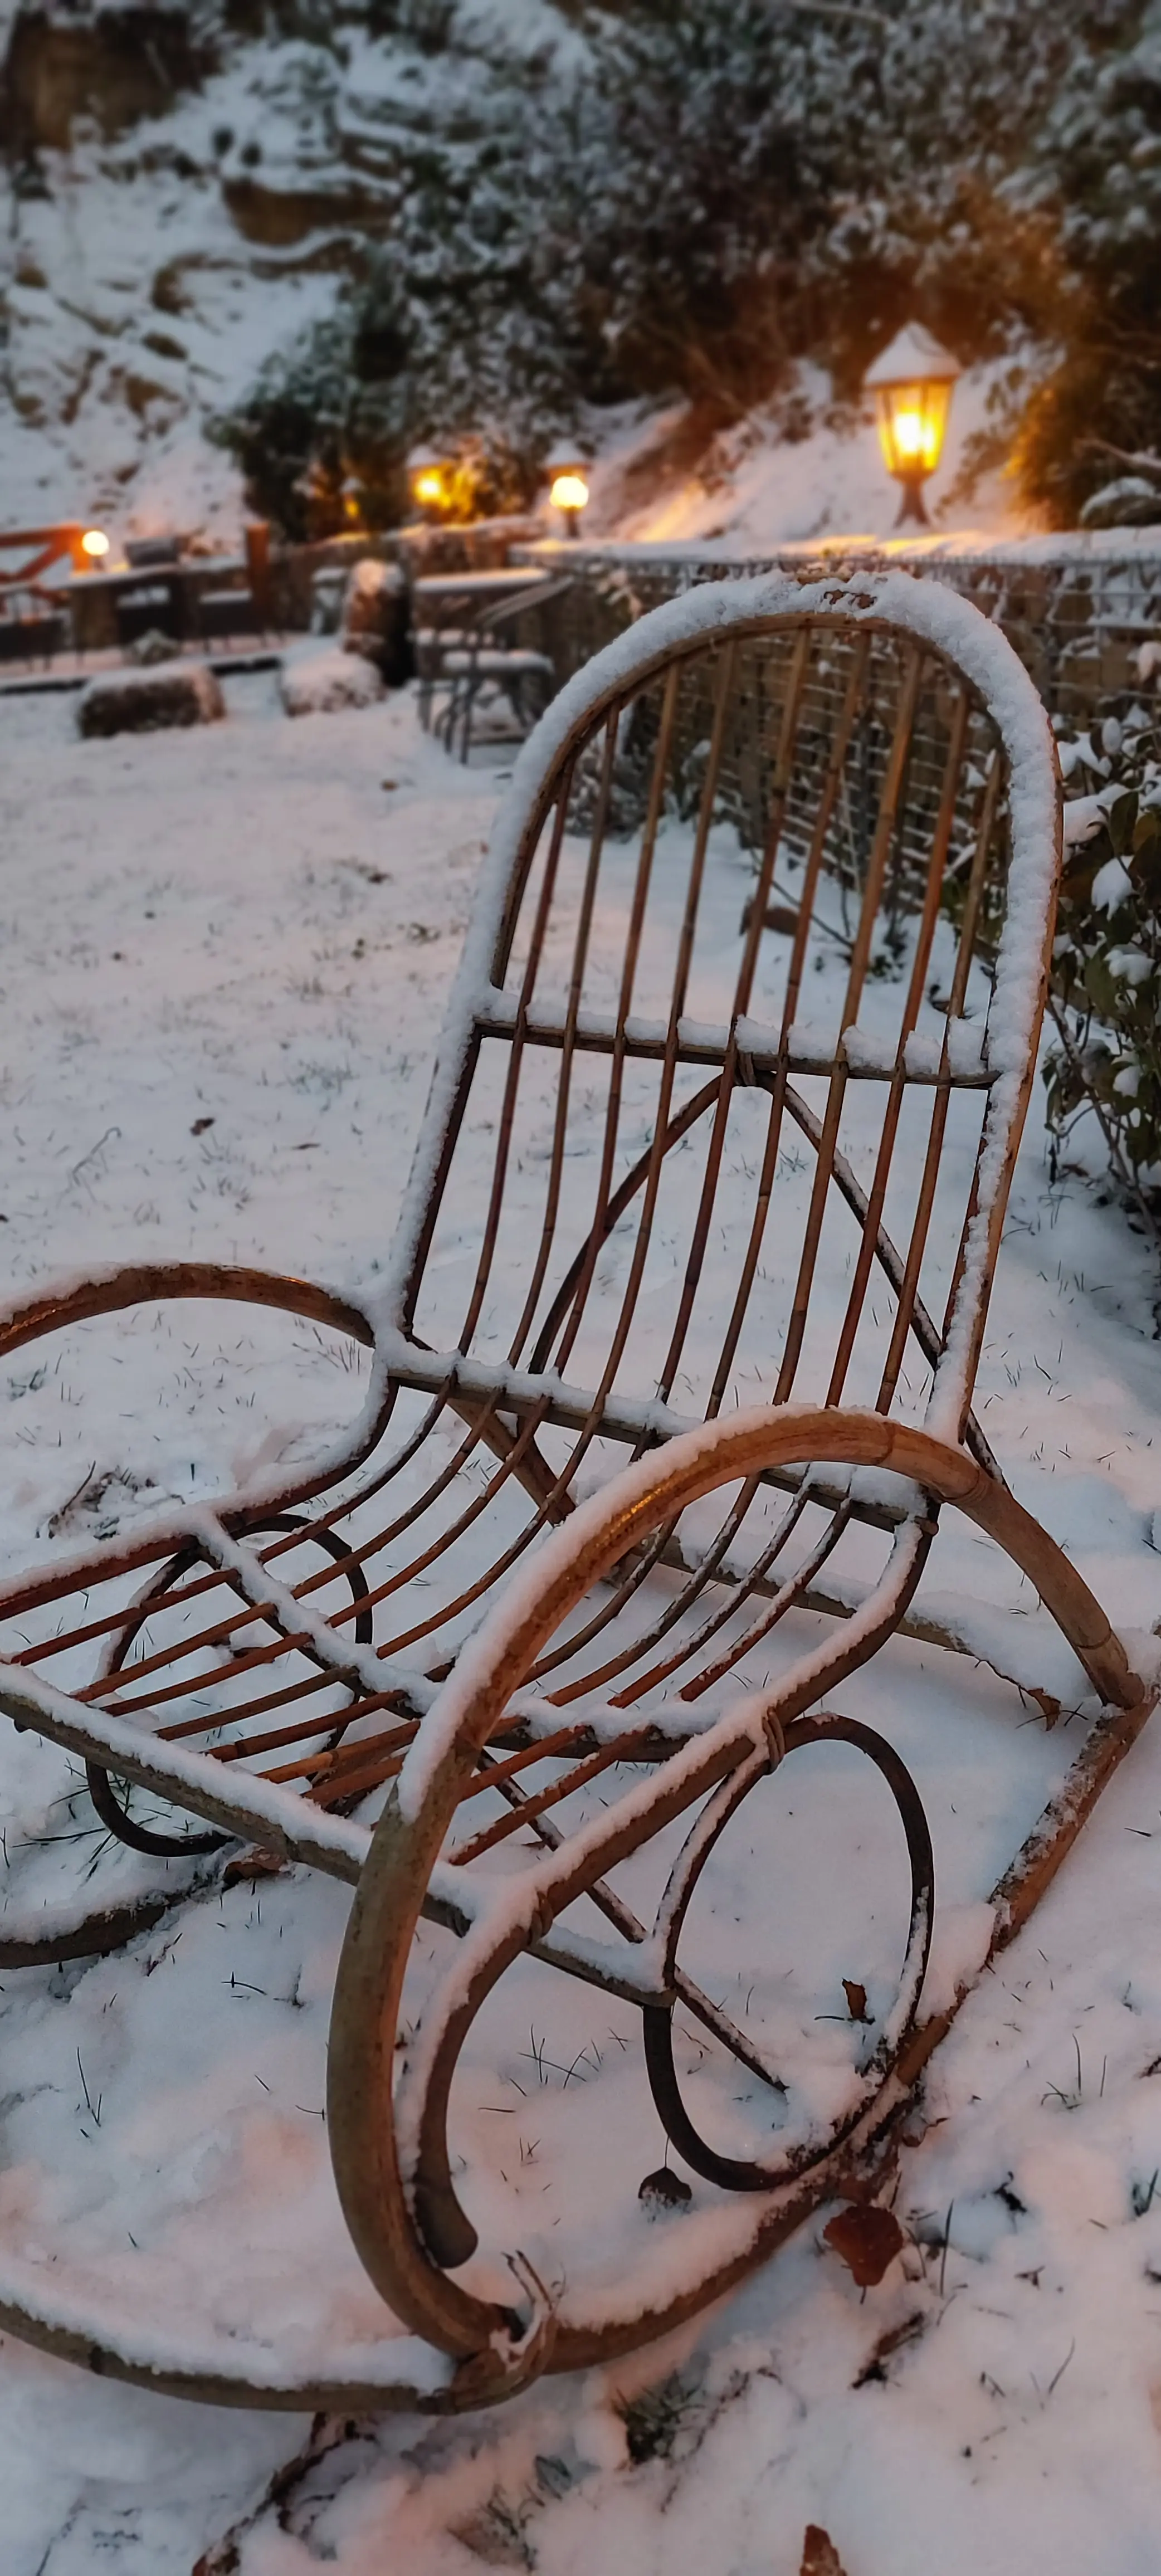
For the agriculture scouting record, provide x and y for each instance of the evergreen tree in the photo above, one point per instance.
(1100, 171)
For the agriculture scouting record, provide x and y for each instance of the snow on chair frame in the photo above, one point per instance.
(733, 1179)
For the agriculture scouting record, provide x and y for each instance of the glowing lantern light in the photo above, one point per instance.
(569, 491)
(426, 475)
(95, 545)
(912, 384)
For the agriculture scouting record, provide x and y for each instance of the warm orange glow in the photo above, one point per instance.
(569, 492)
(427, 487)
(912, 422)
(908, 432)
(94, 544)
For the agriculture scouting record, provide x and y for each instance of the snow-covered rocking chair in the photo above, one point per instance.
(725, 1201)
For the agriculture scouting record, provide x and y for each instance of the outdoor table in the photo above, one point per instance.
(192, 568)
(94, 596)
(476, 589)
(447, 603)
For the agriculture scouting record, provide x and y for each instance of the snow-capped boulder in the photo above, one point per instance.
(142, 701)
(322, 680)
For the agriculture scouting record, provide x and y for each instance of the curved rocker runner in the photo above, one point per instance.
(473, 1663)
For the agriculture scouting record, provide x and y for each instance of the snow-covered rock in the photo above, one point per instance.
(322, 680)
(146, 700)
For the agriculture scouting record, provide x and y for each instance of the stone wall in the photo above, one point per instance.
(1077, 608)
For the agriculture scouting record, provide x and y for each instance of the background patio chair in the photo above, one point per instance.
(450, 616)
(483, 661)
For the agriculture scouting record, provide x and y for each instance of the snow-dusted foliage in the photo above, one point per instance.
(1106, 978)
(696, 198)
(1097, 176)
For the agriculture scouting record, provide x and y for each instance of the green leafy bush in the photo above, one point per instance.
(1105, 1000)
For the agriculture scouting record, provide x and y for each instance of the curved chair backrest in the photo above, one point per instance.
(748, 1016)
(725, 1113)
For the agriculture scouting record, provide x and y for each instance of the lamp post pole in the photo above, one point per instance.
(911, 502)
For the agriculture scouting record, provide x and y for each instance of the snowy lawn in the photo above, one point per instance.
(226, 956)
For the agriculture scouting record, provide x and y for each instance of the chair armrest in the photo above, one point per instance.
(107, 1292)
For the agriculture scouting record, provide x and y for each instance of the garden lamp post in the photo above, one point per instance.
(912, 384)
(94, 548)
(569, 491)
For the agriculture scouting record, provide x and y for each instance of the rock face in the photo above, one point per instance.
(114, 64)
(143, 701)
(282, 218)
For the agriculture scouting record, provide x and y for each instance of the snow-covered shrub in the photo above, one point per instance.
(1105, 999)
(322, 680)
(1129, 501)
(297, 432)
(1096, 169)
(375, 618)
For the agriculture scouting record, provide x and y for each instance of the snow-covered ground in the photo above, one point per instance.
(226, 955)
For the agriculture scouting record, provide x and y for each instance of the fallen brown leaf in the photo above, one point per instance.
(665, 2190)
(868, 2240)
(819, 2555)
(251, 1865)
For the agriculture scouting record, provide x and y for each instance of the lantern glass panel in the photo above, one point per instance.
(912, 422)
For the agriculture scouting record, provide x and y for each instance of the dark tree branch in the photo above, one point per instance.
(839, 9)
(1139, 459)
